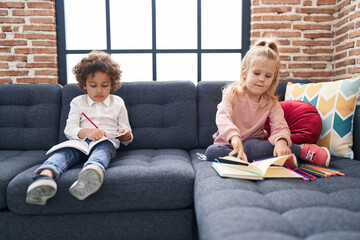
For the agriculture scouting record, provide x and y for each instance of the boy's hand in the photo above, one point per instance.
(93, 134)
(281, 148)
(236, 143)
(126, 135)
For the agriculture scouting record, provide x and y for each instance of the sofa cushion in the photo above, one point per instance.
(303, 119)
(229, 208)
(136, 180)
(209, 96)
(29, 116)
(14, 162)
(336, 103)
(161, 114)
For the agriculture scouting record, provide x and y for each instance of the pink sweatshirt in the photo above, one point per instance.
(247, 118)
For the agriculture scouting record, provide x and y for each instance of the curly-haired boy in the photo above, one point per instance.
(98, 117)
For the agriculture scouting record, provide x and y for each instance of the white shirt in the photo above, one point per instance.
(110, 115)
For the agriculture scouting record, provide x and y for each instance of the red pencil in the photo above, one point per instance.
(91, 122)
(307, 174)
(302, 177)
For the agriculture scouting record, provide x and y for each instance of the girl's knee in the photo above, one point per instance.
(216, 151)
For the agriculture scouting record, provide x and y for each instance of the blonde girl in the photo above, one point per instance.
(245, 106)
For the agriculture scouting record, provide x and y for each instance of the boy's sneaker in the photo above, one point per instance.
(291, 162)
(315, 154)
(89, 181)
(42, 189)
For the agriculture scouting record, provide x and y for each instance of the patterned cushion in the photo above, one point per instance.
(336, 103)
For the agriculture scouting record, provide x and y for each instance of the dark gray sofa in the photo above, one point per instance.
(157, 188)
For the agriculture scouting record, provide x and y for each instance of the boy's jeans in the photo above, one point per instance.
(64, 158)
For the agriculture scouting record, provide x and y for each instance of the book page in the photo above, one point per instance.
(280, 172)
(77, 144)
(234, 159)
(236, 171)
(263, 165)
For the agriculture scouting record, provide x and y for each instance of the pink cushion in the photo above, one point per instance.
(303, 119)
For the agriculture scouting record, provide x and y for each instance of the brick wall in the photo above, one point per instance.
(346, 58)
(319, 39)
(28, 52)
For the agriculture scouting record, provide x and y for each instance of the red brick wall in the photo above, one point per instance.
(28, 52)
(346, 58)
(319, 39)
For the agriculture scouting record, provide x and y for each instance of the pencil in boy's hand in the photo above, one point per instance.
(91, 122)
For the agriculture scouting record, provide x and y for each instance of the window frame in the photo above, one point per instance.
(62, 52)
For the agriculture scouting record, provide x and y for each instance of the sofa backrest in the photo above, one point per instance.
(209, 96)
(161, 114)
(29, 116)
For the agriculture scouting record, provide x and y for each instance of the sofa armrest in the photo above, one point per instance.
(356, 133)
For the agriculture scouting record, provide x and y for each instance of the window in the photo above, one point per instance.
(156, 40)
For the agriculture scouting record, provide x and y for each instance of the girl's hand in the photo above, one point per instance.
(281, 148)
(93, 134)
(236, 143)
(126, 135)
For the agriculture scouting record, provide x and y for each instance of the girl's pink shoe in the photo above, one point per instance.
(315, 154)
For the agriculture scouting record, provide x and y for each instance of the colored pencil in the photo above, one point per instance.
(333, 170)
(329, 170)
(312, 173)
(302, 177)
(310, 178)
(322, 170)
(92, 122)
(315, 171)
(307, 174)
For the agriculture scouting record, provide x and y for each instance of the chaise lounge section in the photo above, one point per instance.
(326, 208)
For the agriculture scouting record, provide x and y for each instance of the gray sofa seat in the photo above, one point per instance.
(136, 180)
(327, 208)
(14, 162)
(29, 120)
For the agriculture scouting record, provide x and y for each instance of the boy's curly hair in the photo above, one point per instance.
(98, 61)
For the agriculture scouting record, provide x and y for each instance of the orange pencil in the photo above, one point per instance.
(322, 170)
(313, 171)
(328, 170)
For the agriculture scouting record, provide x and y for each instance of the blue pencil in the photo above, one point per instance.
(305, 176)
(311, 173)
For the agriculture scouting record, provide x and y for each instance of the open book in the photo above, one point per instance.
(80, 144)
(257, 170)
